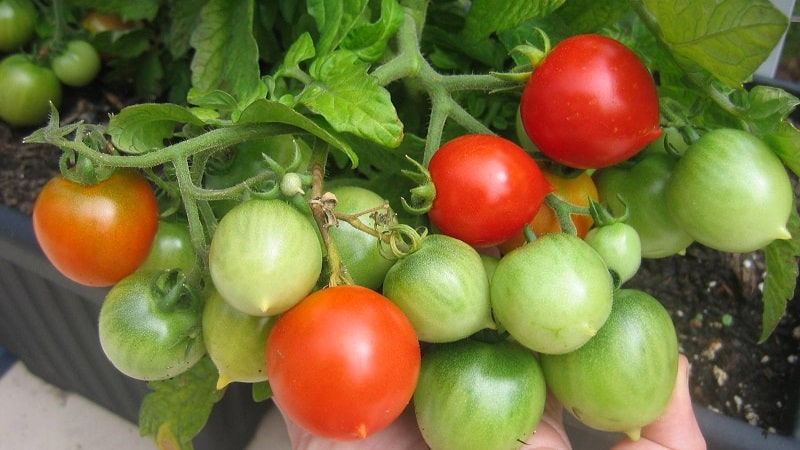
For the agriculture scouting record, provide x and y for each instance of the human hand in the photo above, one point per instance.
(676, 429)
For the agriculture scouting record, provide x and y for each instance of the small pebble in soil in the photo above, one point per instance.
(710, 352)
(791, 359)
(720, 375)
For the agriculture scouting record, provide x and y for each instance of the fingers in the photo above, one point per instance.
(677, 428)
(549, 434)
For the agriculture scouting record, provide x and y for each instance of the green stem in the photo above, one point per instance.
(60, 22)
(196, 230)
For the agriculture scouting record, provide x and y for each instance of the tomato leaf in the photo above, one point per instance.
(266, 111)
(768, 110)
(144, 9)
(177, 409)
(780, 281)
(351, 100)
(586, 16)
(143, 127)
(785, 141)
(261, 391)
(369, 40)
(489, 16)
(335, 19)
(729, 39)
(226, 53)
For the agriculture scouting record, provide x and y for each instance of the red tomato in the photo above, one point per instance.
(96, 235)
(576, 190)
(487, 189)
(590, 103)
(343, 363)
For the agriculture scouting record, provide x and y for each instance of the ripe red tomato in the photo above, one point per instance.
(96, 235)
(487, 189)
(343, 363)
(590, 103)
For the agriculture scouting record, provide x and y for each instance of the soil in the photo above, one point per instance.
(714, 298)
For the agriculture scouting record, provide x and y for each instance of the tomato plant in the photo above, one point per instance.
(96, 234)
(611, 384)
(346, 349)
(552, 294)
(28, 89)
(149, 326)
(493, 179)
(17, 22)
(590, 103)
(442, 288)
(264, 257)
(576, 190)
(457, 401)
(77, 64)
(740, 206)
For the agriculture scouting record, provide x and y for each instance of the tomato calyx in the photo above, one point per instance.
(171, 290)
(532, 53)
(423, 194)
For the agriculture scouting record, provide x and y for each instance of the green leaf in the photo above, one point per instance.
(369, 40)
(261, 391)
(177, 409)
(184, 16)
(142, 128)
(351, 100)
(782, 271)
(785, 142)
(587, 16)
(727, 38)
(335, 19)
(767, 114)
(226, 54)
(489, 16)
(267, 111)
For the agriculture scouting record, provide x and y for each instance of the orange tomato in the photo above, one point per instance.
(576, 190)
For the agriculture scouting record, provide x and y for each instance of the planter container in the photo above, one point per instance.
(50, 324)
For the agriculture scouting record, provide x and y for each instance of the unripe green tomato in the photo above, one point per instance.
(17, 21)
(730, 192)
(27, 90)
(622, 379)
(552, 294)
(77, 65)
(619, 246)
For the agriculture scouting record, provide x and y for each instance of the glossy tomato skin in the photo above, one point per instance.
(730, 192)
(343, 363)
(27, 90)
(359, 250)
(264, 257)
(480, 395)
(487, 189)
(172, 248)
(610, 383)
(572, 189)
(235, 341)
(552, 294)
(17, 22)
(619, 246)
(442, 289)
(96, 235)
(590, 103)
(146, 334)
(77, 64)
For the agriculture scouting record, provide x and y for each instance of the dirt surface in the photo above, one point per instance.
(714, 298)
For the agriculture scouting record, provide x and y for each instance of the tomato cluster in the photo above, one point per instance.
(31, 83)
(510, 283)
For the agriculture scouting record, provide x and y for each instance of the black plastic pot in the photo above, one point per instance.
(50, 324)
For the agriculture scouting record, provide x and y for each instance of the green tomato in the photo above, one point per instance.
(552, 294)
(149, 326)
(359, 250)
(17, 21)
(730, 192)
(619, 246)
(264, 257)
(642, 188)
(622, 379)
(235, 341)
(27, 90)
(171, 249)
(477, 395)
(443, 289)
(76, 65)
